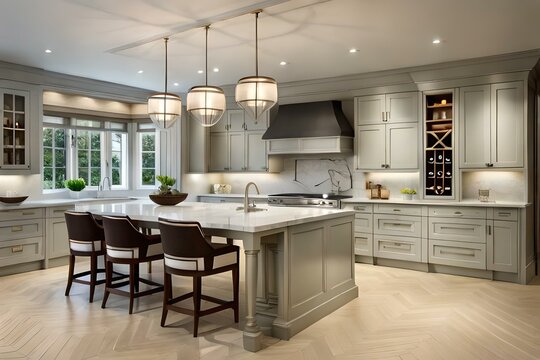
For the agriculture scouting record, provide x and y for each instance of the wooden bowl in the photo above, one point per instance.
(169, 200)
(12, 199)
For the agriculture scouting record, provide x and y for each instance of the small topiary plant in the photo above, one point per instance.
(166, 184)
(408, 191)
(75, 184)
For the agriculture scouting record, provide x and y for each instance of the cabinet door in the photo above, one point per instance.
(507, 122)
(402, 107)
(219, 154)
(15, 139)
(402, 146)
(370, 110)
(474, 126)
(56, 239)
(197, 146)
(371, 146)
(236, 151)
(256, 159)
(236, 120)
(363, 244)
(222, 124)
(502, 246)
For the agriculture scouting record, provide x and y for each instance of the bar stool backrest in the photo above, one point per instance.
(184, 239)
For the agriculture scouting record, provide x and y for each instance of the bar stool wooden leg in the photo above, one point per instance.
(236, 280)
(167, 295)
(132, 280)
(93, 276)
(108, 282)
(70, 273)
(196, 304)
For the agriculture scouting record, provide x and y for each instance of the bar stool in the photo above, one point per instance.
(125, 244)
(86, 238)
(188, 252)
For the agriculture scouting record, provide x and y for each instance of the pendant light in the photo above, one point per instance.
(206, 103)
(164, 108)
(256, 94)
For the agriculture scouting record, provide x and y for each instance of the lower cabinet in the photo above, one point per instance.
(56, 236)
(502, 246)
(457, 253)
(482, 238)
(21, 240)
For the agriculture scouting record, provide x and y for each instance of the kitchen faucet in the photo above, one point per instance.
(102, 186)
(246, 196)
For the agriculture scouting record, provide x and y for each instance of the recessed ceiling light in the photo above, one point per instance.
(437, 41)
(200, 72)
(140, 72)
(283, 63)
(353, 50)
(216, 69)
(48, 51)
(176, 84)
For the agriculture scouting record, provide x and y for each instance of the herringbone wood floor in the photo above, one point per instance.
(400, 314)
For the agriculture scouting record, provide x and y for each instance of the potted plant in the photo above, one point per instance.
(407, 193)
(166, 195)
(75, 187)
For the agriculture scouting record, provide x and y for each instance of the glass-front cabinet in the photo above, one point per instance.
(15, 130)
(439, 145)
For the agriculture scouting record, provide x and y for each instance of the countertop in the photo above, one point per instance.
(251, 196)
(217, 215)
(29, 204)
(476, 203)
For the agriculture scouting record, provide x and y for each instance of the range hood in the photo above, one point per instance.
(310, 128)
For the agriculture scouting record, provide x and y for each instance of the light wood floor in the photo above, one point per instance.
(400, 314)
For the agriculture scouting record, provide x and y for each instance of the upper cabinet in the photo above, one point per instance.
(237, 145)
(20, 106)
(492, 126)
(388, 108)
(387, 131)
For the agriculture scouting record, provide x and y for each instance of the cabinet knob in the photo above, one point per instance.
(383, 119)
(383, 166)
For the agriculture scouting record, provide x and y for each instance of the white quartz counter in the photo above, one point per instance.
(439, 202)
(251, 196)
(29, 204)
(217, 215)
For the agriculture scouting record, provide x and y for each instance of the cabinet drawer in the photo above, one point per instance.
(457, 212)
(362, 208)
(505, 214)
(470, 230)
(398, 209)
(21, 251)
(454, 253)
(363, 244)
(397, 247)
(399, 225)
(363, 222)
(10, 230)
(57, 211)
(21, 214)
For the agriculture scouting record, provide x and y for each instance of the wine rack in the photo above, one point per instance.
(439, 133)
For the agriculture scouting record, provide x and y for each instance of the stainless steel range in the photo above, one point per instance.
(310, 200)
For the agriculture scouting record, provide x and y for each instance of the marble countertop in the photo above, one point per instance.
(251, 196)
(29, 204)
(217, 215)
(514, 204)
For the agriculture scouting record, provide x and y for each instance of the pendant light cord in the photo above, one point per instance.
(166, 40)
(256, 44)
(206, 56)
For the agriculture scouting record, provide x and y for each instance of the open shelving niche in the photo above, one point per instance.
(439, 141)
(14, 129)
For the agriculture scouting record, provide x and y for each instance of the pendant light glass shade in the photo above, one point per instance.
(206, 103)
(164, 108)
(256, 94)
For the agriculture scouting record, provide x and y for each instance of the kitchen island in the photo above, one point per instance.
(299, 261)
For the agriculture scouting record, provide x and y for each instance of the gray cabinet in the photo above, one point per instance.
(363, 228)
(56, 236)
(387, 147)
(502, 244)
(387, 108)
(21, 236)
(20, 107)
(237, 145)
(197, 140)
(492, 125)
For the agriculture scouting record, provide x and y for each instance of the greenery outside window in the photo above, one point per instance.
(147, 155)
(54, 158)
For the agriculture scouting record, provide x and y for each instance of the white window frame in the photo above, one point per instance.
(145, 128)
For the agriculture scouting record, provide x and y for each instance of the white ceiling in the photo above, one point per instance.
(112, 39)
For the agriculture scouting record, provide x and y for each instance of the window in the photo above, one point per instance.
(148, 156)
(88, 149)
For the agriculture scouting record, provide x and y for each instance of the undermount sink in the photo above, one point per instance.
(250, 209)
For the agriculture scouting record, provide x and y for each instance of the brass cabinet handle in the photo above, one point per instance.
(17, 249)
(383, 117)
(16, 228)
(28, 213)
